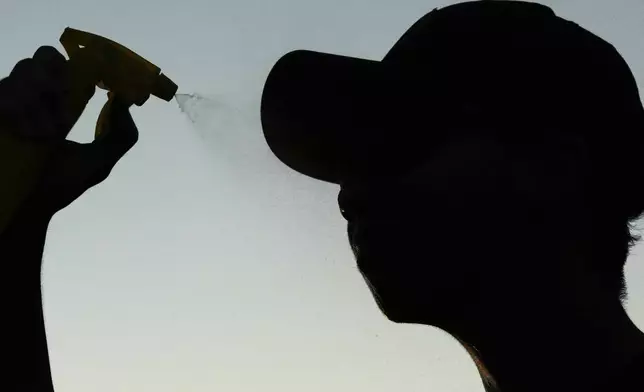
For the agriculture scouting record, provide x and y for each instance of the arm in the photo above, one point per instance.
(46, 115)
(24, 342)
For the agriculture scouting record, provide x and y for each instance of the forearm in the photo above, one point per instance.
(23, 340)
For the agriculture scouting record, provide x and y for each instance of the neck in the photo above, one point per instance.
(553, 349)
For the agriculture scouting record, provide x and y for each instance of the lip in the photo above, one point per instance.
(357, 242)
(350, 228)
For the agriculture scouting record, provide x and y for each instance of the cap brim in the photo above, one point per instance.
(315, 110)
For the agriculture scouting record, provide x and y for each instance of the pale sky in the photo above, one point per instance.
(202, 264)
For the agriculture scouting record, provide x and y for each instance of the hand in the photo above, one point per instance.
(42, 100)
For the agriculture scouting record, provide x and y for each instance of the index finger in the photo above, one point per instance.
(51, 61)
(81, 74)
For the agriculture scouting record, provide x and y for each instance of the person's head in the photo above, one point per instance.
(488, 159)
(487, 231)
(486, 222)
(489, 172)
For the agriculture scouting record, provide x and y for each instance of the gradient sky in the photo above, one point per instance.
(202, 264)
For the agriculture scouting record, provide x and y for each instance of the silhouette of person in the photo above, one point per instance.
(489, 169)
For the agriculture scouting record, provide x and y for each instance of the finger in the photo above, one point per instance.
(81, 82)
(55, 96)
(33, 79)
(42, 90)
(53, 64)
(83, 73)
(22, 67)
(12, 109)
(27, 102)
(9, 99)
(50, 65)
(27, 78)
(103, 154)
(120, 132)
(51, 60)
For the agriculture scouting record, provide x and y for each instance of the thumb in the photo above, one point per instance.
(119, 132)
(118, 136)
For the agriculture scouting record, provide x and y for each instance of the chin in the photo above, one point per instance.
(401, 313)
(396, 305)
(400, 316)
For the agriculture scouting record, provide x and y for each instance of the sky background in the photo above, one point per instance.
(202, 264)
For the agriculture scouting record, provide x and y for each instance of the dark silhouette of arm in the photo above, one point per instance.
(24, 342)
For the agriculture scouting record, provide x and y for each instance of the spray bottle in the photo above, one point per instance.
(110, 66)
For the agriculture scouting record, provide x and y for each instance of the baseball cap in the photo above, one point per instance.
(508, 67)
